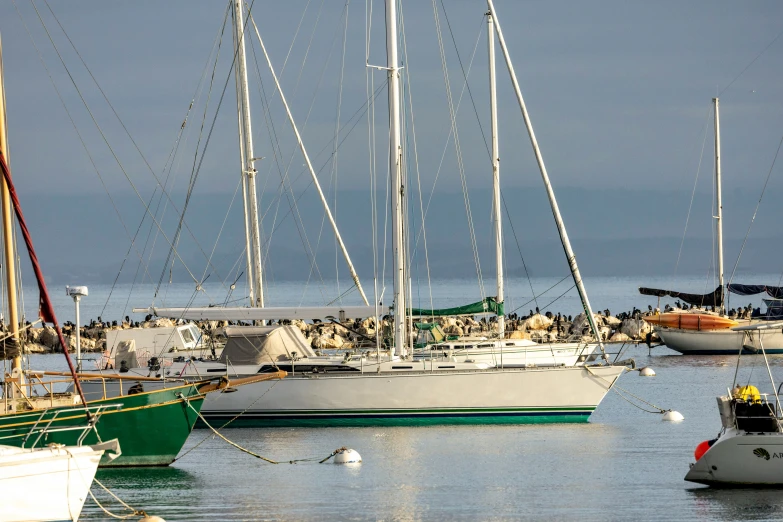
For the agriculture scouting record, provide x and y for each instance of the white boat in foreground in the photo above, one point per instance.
(45, 484)
(749, 448)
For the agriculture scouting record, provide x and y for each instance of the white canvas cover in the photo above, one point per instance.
(126, 351)
(264, 344)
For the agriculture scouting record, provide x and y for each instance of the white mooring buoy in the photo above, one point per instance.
(673, 416)
(347, 456)
(647, 372)
(151, 518)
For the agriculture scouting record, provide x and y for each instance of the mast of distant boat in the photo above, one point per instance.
(569, 252)
(8, 235)
(719, 206)
(495, 175)
(248, 168)
(395, 164)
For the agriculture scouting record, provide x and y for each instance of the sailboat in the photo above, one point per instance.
(151, 426)
(749, 446)
(708, 333)
(379, 389)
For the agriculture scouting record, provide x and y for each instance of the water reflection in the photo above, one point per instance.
(736, 504)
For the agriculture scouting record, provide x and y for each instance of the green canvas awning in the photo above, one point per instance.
(487, 306)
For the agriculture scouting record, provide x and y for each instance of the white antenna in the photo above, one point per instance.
(77, 292)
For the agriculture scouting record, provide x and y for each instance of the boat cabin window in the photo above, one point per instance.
(187, 336)
(486, 346)
(190, 336)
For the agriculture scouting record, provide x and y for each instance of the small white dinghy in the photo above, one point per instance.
(49, 483)
(749, 448)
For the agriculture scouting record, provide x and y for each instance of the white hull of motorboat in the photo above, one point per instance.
(45, 484)
(740, 458)
(714, 342)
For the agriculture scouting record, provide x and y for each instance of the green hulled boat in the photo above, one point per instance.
(151, 427)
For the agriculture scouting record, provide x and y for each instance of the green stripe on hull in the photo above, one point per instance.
(402, 417)
(151, 427)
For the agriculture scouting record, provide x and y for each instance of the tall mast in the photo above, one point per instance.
(248, 252)
(246, 137)
(395, 164)
(569, 252)
(8, 227)
(718, 202)
(495, 174)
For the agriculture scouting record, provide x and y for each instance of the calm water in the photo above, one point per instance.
(624, 464)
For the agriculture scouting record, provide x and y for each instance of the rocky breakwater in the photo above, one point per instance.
(548, 327)
(92, 337)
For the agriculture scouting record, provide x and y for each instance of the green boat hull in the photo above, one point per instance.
(151, 427)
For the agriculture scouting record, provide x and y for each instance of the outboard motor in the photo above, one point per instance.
(153, 364)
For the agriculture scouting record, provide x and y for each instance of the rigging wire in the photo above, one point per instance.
(458, 150)
(149, 167)
(277, 152)
(751, 63)
(194, 172)
(416, 162)
(333, 177)
(693, 192)
(103, 135)
(755, 212)
(79, 135)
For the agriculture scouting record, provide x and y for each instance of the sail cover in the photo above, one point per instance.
(712, 299)
(773, 291)
(489, 305)
(264, 344)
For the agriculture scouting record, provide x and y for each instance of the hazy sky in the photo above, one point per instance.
(619, 94)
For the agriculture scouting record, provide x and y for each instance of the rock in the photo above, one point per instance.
(619, 337)
(611, 321)
(538, 322)
(635, 328)
(34, 334)
(31, 347)
(517, 334)
(49, 338)
(580, 324)
(327, 342)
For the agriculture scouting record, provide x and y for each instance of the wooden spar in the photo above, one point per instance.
(125, 377)
(204, 385)
(227, 383)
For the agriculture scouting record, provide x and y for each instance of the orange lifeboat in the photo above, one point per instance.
(691, 321)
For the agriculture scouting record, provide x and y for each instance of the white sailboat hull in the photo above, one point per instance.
(508, 396)
(739, 458)
(45, 484)
(714, 342)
